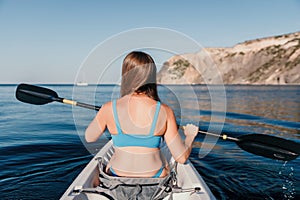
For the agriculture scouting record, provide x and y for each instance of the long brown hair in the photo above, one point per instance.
(139, 75)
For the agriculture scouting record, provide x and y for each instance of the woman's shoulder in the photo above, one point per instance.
(107, 106)
(166, 108)
(105, 112)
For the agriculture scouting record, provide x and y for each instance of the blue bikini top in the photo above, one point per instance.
(123, 139)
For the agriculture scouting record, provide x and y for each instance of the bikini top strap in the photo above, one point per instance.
(155, 119)
(116, 117)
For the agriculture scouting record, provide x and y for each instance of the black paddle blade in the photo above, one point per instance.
(35, 95)
(269, 146)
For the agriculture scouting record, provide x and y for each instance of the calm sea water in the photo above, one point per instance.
(42, 151)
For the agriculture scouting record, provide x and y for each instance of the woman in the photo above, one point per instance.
(137, 121)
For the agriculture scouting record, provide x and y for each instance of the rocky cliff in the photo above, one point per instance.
(272, 60)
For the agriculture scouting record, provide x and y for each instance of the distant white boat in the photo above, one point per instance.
(82, 84)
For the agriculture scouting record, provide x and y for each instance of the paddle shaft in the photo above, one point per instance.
(75, 103)
(224, 137)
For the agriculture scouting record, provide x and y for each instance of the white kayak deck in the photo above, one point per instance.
(187, 177)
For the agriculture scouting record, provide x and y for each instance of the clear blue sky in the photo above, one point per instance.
(46, 41)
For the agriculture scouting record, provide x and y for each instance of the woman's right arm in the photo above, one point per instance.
(97, 126)
(179, 149)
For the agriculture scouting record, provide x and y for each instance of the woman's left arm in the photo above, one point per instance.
(97, 126)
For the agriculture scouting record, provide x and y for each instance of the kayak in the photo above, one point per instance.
(189, 183)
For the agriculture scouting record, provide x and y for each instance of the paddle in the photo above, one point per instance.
(39, 96)
(264, 145)
(259, 144)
